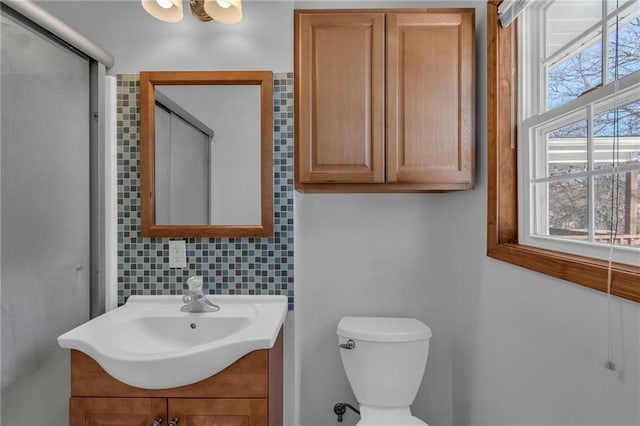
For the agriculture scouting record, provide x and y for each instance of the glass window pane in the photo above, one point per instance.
(567, 19)
(566, 149)
(575, 75)
(616, 209)
(568, 214)
(623, 122)
(624, 47)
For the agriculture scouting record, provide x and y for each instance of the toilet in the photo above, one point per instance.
(384, 359)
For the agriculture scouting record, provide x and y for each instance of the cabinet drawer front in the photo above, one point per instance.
(219, 412)
(339, 90)
(430, 97)
(115, 411)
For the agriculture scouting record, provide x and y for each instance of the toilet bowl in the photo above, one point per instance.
(384, 359)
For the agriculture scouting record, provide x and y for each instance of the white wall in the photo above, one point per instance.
(369, 255)
(263, 40)
(510, 347)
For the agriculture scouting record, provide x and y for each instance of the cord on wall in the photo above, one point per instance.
(609, 364)
(615, 201)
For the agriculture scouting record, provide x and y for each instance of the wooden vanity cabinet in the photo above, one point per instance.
(385, 100)
(247, 393)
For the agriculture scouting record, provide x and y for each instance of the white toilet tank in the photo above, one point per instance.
(386, 365)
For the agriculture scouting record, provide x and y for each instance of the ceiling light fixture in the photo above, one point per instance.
(227, 11)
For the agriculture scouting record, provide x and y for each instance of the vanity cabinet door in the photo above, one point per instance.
(116, 411)
(219, 412)
(430, 75)
(340, 95)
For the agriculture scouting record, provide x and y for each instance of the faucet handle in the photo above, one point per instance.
(195, 283)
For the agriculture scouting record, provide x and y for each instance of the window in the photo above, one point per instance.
(578, 141)
(580, 127)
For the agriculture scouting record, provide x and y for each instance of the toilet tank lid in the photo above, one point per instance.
(382, 329)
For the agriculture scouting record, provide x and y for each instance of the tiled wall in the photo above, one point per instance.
(227, 265)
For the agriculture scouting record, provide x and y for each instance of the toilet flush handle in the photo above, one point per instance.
(350, 344)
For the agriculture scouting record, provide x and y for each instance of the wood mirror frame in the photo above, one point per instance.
(148, 81)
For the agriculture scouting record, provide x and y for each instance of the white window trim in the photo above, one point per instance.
(532, 123)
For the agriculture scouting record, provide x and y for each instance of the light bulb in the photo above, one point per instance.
(223, 4)
(165, 4)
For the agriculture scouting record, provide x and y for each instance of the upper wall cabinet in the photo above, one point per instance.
(385, 100)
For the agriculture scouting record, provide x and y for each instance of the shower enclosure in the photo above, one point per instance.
(51, 225)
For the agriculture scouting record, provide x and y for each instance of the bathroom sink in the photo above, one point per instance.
(160, 334)
(149, 343)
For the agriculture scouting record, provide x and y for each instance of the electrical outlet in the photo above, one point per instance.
(177, 254)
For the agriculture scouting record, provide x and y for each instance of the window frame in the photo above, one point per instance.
(502, 182)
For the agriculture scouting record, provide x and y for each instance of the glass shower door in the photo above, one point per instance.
(45, 219)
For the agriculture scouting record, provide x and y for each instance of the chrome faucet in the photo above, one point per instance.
(195, 300)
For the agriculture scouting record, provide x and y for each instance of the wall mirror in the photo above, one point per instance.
(206, 149)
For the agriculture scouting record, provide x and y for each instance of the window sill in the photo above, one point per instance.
(586, 271)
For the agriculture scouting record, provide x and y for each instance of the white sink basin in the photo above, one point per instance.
(149, 343)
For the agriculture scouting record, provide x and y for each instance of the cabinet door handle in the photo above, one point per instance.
(173, 422)
(157, 421)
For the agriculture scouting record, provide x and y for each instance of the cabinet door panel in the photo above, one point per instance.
(116, 411)
(219, 412)
(430, 97)
(213, 420)
(340, 89)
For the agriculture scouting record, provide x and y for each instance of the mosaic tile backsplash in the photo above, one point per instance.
(227, 265)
